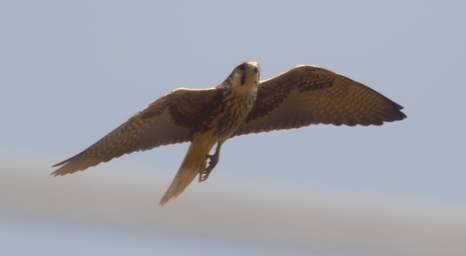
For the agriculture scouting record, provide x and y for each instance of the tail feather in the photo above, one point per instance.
(192, 164)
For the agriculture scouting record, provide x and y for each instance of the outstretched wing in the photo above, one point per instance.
(170, 119)
(310, 95)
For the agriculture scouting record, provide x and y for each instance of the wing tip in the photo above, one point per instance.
(64, 167)
(56, 174)
(397, 114)
(397, 106)
(401, 115)
(71, 165)
(59, 164)
(60, 171)
(393, 111)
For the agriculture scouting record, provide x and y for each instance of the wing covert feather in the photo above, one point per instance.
(310, 95)
(168, 120)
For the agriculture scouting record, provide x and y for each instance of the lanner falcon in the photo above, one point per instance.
(240, 105)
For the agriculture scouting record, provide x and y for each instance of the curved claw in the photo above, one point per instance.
(213, 160)
(204, 174)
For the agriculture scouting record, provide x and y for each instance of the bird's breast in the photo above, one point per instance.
(228, 115)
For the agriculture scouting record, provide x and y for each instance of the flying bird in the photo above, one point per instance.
(240, 105)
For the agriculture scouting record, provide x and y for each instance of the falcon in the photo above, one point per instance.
(240, 105)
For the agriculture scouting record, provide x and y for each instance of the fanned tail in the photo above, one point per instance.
(193, 162)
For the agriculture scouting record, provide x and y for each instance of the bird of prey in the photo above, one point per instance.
(240, 105)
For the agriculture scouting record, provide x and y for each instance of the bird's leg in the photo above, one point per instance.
(213, 160)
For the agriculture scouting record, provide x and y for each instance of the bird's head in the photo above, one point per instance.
(244, 77)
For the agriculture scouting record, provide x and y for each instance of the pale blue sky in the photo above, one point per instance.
(73, 70)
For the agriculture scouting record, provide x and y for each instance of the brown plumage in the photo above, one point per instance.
(310, 95)
(240, 105)
(168, 120)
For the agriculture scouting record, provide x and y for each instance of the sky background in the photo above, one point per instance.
(71, 71)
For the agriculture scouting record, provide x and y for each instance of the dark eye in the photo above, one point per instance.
(242, 67)
(256, 70)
